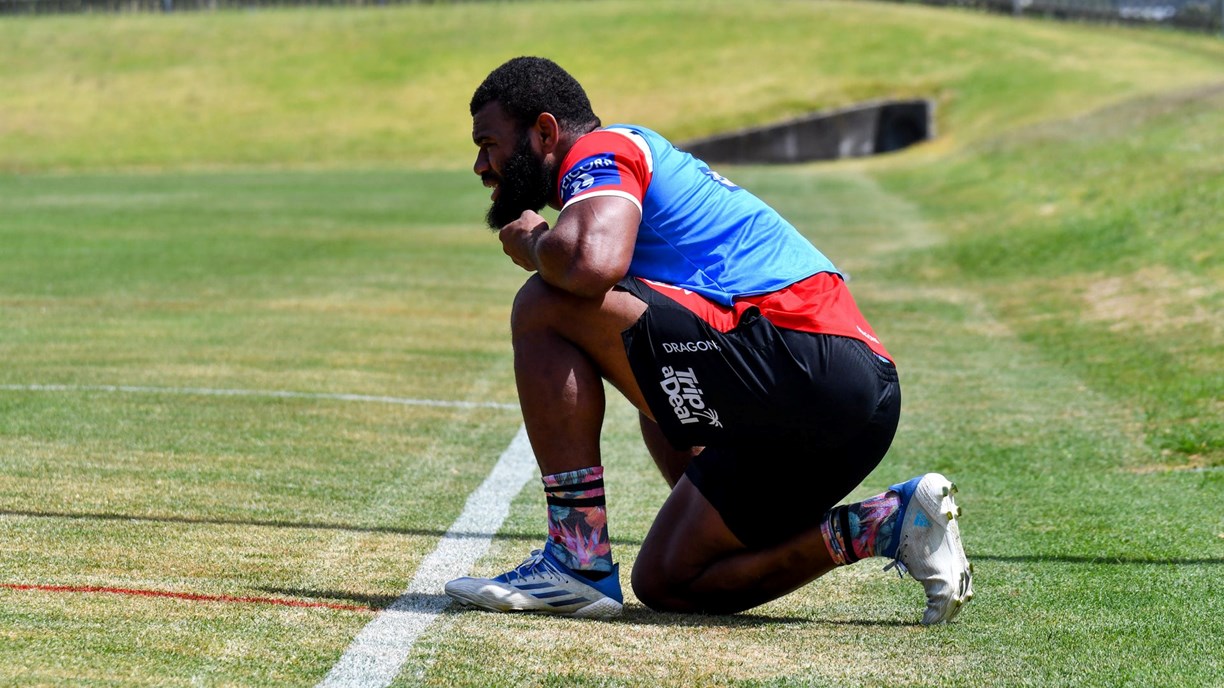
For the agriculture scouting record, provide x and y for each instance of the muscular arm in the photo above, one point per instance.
(586, 253)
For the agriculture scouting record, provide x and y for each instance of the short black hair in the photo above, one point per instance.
(529, 86)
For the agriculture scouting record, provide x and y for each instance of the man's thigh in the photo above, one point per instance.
(593, 325)
(767, 492)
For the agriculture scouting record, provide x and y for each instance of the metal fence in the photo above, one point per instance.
(113, 6)
(1202, 15)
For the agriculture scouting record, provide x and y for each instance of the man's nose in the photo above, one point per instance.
(481, 166)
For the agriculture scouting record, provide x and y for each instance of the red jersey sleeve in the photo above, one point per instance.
(606, 162)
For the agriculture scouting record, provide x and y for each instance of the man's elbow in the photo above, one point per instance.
(591, 283)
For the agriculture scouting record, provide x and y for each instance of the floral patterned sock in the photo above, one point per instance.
(578, 520)
(857, 531)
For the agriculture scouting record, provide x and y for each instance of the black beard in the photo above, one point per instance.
(525, 183)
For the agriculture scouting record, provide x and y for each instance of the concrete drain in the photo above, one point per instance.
(861, 130)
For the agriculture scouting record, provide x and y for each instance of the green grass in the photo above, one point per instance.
(384, 86)
(1048, 274)
(1105, 248)
(291, 281)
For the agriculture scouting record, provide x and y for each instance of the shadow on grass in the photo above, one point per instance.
(1075, 559)
(633, 614)
(643, 616)
(276, 523)
(539, 537)
(639, 615)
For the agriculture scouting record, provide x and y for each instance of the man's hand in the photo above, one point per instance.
(519, 239)
(588, 250)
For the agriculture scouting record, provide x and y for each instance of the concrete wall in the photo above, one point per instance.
(861, 130)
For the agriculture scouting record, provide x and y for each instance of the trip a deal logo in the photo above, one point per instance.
(591, 171)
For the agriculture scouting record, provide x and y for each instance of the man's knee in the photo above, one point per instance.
(541, 306)
(533, 303)
(664, 571)
(539, 303)
(656, 587)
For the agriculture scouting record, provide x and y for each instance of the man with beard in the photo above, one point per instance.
(764, 395)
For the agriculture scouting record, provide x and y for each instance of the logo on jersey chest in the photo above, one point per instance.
(685, 397)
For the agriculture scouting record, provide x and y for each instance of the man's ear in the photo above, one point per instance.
(548, 131)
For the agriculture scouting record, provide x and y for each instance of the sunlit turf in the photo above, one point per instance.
(1102, 243)
(288, 282)
(1048, 275)
(1073, 534)
(389, 85)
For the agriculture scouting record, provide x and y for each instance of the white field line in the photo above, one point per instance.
(379, 651)
(258, 393)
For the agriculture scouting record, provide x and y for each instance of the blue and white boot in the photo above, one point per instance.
(542, 584)
(929, 546)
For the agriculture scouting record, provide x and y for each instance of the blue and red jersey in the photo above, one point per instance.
(702, 236)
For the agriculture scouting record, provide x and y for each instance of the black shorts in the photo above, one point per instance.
(791, 421)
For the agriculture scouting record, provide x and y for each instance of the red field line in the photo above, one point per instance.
(192, 597)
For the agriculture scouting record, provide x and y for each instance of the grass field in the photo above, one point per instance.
(280, 202)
